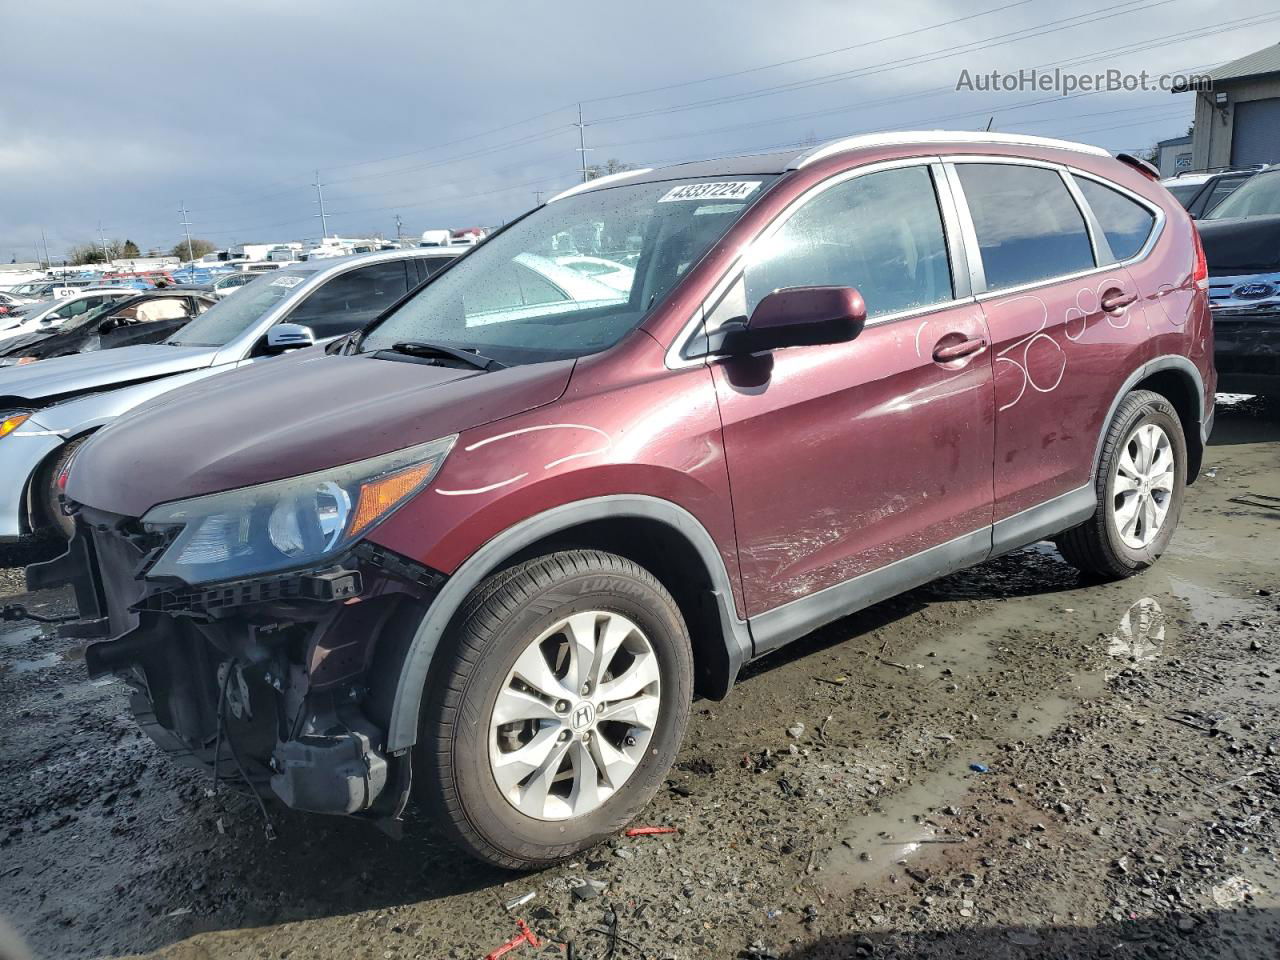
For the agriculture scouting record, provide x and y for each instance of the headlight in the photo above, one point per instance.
(12, 420)
(289, 523)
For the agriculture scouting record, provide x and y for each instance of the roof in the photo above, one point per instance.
(777, 163)
(1266, 60)
(317, 264)
(1174, 141)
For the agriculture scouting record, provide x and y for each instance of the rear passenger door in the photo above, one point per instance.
(1059, 325)
(846, 458)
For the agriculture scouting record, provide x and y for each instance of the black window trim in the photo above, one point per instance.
(1068, 173)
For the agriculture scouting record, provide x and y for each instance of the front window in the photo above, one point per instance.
(1259, 197)
(229, 318)
(524, 296)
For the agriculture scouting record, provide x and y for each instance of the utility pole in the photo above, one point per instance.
(324, 221)
(186, 225)
(537, 198)
(45, 241)
(102, 237)
(399, 229)
(583, 149)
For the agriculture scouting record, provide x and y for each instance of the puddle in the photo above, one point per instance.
(1205, 606)
(44, 662)
(909, 823)
(872, 844)
(15, 639)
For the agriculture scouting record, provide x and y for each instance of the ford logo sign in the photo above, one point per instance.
(1253, 291)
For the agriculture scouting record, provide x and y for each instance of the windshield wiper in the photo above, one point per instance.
(421, 348)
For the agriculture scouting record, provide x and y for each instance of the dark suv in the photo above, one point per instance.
(493, 544)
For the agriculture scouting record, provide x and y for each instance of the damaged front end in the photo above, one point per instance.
(283, 681)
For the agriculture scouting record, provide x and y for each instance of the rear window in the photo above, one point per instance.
(1029, 228)
(1125, 223)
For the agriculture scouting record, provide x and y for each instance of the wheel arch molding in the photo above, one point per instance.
(1180, 382)
(721, 641)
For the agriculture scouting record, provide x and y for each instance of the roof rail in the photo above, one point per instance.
(599, 182)
(936, 136)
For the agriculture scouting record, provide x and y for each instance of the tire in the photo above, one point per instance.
(1105, 545)
(57, 523)
(511, 624)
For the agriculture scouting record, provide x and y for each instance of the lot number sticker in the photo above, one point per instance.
(286, 281)
(717, 190)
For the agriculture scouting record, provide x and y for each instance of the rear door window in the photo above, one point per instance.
(1125, 223)
(1028, 226)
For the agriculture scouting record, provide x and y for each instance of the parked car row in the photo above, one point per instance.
(163, 340)
(485, 531)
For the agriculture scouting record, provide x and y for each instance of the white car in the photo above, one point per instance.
(225, 286)
(51, 314)
(619, 276)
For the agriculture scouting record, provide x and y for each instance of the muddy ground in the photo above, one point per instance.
(1008, 763)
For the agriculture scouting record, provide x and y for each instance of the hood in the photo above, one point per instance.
(1241, 245)
(102, 370)
(19, 345)
(289, 416)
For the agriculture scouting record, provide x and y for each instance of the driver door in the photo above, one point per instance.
(847, 458)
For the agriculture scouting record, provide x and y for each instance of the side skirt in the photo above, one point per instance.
(1043, 520)
(779, 626)
(790, 621)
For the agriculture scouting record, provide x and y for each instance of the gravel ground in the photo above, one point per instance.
(1007, 763)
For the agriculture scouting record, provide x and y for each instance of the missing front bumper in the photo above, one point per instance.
(306, 713)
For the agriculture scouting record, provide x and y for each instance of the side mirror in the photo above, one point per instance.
(289, 336)
(797, 317)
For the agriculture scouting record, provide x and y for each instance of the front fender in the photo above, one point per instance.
(403, 726)
(21, 454)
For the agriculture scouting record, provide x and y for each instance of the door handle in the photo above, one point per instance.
(1115, 299)
(957, 351)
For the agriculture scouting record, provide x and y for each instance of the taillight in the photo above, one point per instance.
(1200, 272)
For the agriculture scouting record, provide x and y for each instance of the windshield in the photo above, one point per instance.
(1259, 197)
(229, 318)
(573, 277)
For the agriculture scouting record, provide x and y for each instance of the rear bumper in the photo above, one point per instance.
(290, 676)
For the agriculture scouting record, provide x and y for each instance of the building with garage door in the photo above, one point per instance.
(1237, 120)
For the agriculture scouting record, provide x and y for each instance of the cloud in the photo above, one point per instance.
(118, 116)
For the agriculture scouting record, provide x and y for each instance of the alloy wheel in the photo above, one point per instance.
(1143, 486)
(575, 715)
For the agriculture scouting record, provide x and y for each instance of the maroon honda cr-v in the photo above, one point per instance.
(663, 424)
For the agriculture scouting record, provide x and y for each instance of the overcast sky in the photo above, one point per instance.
(453, 114)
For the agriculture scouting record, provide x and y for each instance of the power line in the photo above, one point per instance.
(808, 57)
(1026, 33)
